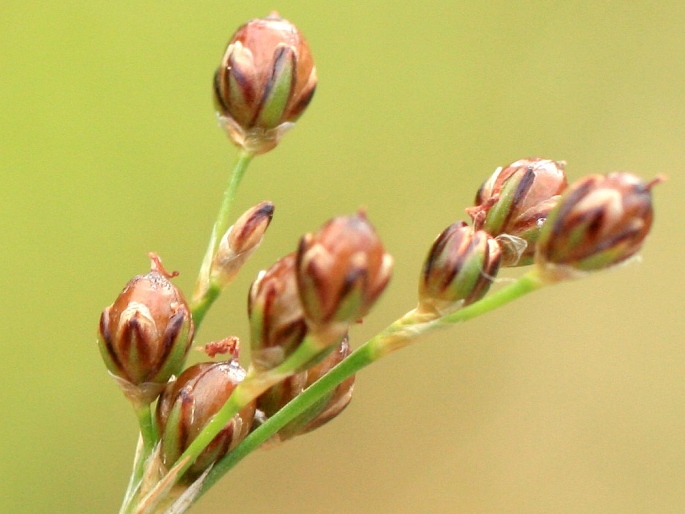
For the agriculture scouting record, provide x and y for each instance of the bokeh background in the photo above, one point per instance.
(570, 400)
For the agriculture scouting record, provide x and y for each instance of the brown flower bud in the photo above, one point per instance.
(239, 242)
(514, 203)
(265, 81)
(188, 404)
(145, 334)
(341, 271)
(460, 267)
(599, 221)
(332, 404)
(324, 410)
(277, 325)
(277, 396)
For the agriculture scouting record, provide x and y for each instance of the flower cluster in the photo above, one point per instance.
(526, 213)
(301, 308)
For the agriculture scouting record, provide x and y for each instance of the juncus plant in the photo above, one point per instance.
(197, 423)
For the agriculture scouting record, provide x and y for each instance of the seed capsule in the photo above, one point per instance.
(460, 267)
(265, 81)
(514, 203)
(189, 403)
(146, 333)
(600, 220)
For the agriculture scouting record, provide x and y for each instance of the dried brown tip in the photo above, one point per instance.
(227, 346)
(156, 265)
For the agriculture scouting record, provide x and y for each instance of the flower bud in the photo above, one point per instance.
(341, 271)
(188, 404)
(599, 221)
(277, 396)
(460, 267)
(265, 81)
(330, 405)
(239, 242)
(514, 203)
(146, 333)
(324, 410)
(277, 324)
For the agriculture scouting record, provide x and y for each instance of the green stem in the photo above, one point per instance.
(146, 444)
(148, 430)
(394, 337)
(206, 292)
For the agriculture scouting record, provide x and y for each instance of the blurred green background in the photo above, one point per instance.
(570, 400)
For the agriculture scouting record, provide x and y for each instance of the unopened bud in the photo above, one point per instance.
(324, 410)
(341, 271)
(239, 242)
(600, 220)
(514, 203)
(331, 404)
(188, 404)
(145, 334)
(460, 267)
(265, 81)
(277, 325)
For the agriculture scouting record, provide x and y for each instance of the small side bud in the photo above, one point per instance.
(277, 325)
(188, 404)
(265, 81)
(514, 203)
(600, 221)
(460, 267)
(239, 242)
(145, 334)
(341, 271)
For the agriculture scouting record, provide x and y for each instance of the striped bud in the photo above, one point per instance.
(146, 333)
(341, 271)
(600, 220)
(277, 325)
(265, 81)
(188, 404)
(460, 267)
(514, 203)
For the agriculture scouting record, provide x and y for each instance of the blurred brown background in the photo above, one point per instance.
(570, 400)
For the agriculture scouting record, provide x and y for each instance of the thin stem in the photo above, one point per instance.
(134, 479)
(146, 444)
(148, 430)
(394, 337)
(206, 292)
